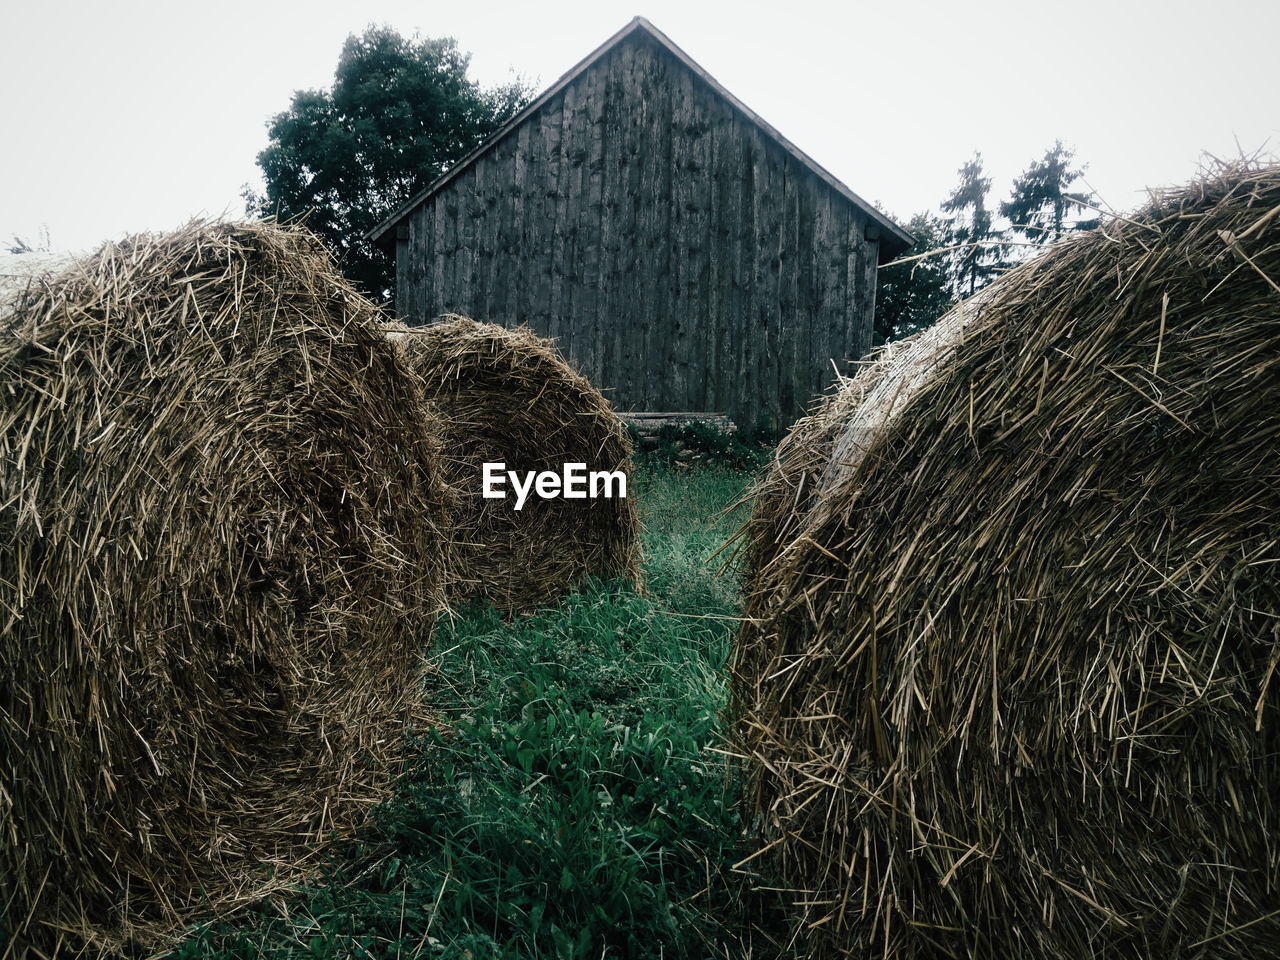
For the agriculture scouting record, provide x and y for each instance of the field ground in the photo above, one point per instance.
(577, 805)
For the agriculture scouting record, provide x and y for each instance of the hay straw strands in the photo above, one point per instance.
(1007, 674)
(19, 271)
(220, 514)
(507, 396)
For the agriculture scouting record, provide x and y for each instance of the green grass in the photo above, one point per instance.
(573, 803)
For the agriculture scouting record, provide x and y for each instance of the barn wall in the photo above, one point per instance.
(681, 257)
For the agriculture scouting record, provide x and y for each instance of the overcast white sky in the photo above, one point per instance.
(127, 115)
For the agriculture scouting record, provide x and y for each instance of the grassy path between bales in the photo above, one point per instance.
(577, 806)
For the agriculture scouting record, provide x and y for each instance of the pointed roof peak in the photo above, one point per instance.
(894, 240)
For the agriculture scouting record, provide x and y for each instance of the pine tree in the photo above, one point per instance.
(972, 229)
(1043, 206)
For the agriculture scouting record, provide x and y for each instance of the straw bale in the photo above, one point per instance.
(1007, 676)
(507, 396)
(18, 271)
(804, 458)
(217, 569)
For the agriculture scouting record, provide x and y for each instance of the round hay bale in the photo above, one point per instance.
(220, 516)
(18, 271)
(1008, 682)
(802, 462)
(506, 396)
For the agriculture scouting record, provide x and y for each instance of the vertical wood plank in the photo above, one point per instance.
(657, 230)
(720, 168)
(820, 351)
(576, 238)
(698, 243)
(561, 254)
(543, 148)
(627, 113)
(680, 244)
(775, 240)
(595, 238)
(867, 286)
(418, 277)
(516, 260)
(468, 218)
(757, 253)
(439, 293)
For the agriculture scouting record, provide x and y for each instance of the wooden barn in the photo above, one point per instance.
(685, 255)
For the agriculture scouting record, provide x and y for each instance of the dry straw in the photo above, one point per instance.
(1008, 679)
(220, 519)
(507, 396)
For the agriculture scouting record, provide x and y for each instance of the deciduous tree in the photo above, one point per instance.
(400, 112)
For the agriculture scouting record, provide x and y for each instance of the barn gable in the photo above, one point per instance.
(893, 243)
(684, 254)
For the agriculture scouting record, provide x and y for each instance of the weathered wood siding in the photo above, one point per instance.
(682, 258)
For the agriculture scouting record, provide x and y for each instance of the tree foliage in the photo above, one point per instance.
(966, 250)
(912, 294)
(400, 112)
(971, 228)
(1043, 207)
